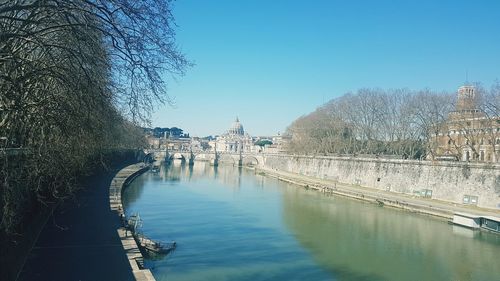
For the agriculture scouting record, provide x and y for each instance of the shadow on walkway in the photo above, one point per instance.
(80, 241)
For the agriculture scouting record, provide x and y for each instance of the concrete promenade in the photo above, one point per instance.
(397, 200)
(80, 240)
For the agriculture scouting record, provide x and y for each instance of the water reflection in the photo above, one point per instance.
(134, 191)
(226, 229)
(226, 175)
(233, 224)
(360, 241)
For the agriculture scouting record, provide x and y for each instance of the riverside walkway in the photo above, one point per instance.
(398, 200)
(80, 239)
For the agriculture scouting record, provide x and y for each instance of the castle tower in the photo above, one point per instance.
(466, 98)
(466, 106)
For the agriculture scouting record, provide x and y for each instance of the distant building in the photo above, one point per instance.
(234, 140)
(278, 145)
(468, 134)
(167, 138)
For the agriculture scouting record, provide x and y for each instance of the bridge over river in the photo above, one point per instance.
(214, 157)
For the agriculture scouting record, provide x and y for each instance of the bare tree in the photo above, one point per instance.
(71, 73)
(488, 103)
(430, 111)
(374, 121)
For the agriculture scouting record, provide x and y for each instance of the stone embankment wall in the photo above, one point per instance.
(123, 178)
(447, 181)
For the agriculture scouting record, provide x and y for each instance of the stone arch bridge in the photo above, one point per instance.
(215, 158)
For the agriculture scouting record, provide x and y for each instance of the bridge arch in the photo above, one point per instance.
(176, 156)
(149, 157)
(249, 161)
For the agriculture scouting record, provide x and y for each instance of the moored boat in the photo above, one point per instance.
(155, 169)
(154, 246)
(134, 222)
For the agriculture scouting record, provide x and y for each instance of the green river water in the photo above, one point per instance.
(233, 224)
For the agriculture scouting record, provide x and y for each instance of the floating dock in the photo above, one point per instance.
(477, 221)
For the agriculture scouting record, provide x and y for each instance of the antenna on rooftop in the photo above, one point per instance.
(466, 76)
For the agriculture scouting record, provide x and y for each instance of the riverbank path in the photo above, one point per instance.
(79, 240)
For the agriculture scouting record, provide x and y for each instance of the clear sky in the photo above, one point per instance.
(271, 61)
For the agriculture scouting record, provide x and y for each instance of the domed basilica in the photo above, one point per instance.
(235, 140)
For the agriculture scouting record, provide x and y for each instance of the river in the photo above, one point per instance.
(233, 224)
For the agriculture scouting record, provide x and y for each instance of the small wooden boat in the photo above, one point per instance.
(134, 222)
(154, 246)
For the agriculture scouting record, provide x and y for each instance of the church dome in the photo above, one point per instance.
(236, 128)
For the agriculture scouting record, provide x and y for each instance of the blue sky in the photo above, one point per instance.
(269, 62)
